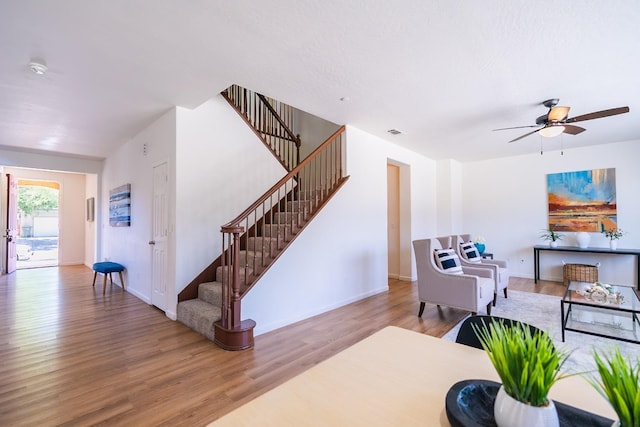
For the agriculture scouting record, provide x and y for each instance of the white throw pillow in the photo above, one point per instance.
(447, 260)
(470, 252)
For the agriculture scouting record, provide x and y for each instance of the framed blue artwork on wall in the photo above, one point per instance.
(120, 206)
(583, 200)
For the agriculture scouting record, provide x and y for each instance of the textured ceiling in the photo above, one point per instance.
(444, 72)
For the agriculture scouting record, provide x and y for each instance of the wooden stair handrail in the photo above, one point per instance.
(267, 123)
(294, 138)
(232, 225)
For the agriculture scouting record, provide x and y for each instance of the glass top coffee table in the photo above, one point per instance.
(609, 311)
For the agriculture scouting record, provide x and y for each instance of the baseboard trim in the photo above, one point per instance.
(263, 329)
(401, 278)
(137, 294)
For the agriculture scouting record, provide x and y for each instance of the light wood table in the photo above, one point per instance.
(395, 377)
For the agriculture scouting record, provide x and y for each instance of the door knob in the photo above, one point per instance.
(152, 242)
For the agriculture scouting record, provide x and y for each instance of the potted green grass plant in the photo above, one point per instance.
(528, 364)
(552, 236)
(619, 383)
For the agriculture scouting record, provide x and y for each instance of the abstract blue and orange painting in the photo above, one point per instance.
(582, 200)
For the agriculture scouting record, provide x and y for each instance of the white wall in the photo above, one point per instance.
(222, 167)
(313, 131)
(90, 229)
(71, 211)
(341, 256)
(129, 164)
(49, 162)
(449, 196)
(505, 200)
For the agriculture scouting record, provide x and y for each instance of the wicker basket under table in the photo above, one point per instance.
(580, 273)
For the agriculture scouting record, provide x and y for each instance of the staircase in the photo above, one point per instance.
(271, 120)
(258, 236)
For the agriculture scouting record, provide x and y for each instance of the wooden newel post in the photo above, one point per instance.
(232, 333)
(235, 281)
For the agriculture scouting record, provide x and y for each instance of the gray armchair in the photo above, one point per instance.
(500, 268)
(471, 291)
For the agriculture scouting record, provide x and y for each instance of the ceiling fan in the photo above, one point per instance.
(556, 121)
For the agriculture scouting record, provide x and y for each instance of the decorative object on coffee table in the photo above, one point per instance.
(613, 234)
(528, 365)
(601, 310)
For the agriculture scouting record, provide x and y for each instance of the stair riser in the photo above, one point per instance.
(268, 245)
(245, 275)
(300, 206)
(211, 293)
(312, 194)
(279, 231)
(288, 218)
(251, 258)
(199, 316)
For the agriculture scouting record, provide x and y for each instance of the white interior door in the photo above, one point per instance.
(160, 231)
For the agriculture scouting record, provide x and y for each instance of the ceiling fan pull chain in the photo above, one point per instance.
(561, 144)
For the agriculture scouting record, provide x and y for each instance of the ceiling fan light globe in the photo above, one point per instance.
(551, 131)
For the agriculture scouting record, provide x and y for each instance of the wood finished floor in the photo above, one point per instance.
(69, 356)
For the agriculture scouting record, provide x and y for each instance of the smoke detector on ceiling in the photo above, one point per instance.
(38, 66)
(395, 132)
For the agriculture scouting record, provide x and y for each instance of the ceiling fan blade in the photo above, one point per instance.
(518, 127)
(524, 136)
(598, 114)
(572, 129)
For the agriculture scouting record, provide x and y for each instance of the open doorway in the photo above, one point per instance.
(38, 223)
(399, 220)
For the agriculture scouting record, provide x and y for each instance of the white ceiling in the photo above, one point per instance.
(445, 72)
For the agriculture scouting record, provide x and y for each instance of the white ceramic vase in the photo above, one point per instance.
(583, 239)
(509, 412)
(553, 243)
(613, 244)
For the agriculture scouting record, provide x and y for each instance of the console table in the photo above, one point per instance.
(538, 248)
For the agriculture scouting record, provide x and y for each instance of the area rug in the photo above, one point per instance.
(543, 311)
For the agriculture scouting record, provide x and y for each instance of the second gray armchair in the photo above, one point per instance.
(500, 268)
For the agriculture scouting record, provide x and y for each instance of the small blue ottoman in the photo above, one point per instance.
(107, 268)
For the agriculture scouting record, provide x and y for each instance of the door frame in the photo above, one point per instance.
(404, 220)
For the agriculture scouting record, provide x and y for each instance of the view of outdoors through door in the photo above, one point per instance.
(37, 243)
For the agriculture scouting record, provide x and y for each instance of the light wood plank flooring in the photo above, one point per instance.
(69, 356)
